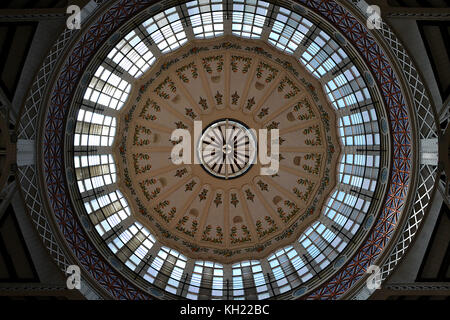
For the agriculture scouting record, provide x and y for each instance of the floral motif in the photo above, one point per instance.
(190, 113)
(309, 187)
(207, 63)
(218, 199)
(287, 65)
(264, 66)
(294, 210)
(273, 125)
(159, 89)
(304, 116)
(194, 247)
(144, 113)
(316, 157)
(136, 158)
(146, 183)
(180, 172)
(264, 112)
(250, 195)
(180, 125)
(203, 103)
(263, 186)
(234, 200)
(142, 209)
(234, 98)
(166, 217)
(141, 130)
(190, 186)
(294, 89)
(250, 103)
(218, 98)
(316, 130)
(181, 226)
(260, 51)
(245, 238)
(203, 194)
(227, 45)
(206, 234)
(259, 228)
(127, 181)
(195, 50)
(234, 63)
(182, 75)
(226, 252)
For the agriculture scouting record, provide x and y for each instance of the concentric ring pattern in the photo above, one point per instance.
(326, 243)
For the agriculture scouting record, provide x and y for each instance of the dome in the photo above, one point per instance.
(305, 84)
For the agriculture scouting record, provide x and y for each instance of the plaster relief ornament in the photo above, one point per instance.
(238, 161)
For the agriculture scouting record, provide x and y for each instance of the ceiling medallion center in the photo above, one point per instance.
(227, 149)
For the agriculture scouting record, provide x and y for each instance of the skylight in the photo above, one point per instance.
(166, 30)
(206, 18)
(344, 211)
(249, 17)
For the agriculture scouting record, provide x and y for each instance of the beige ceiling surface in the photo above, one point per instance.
(201, 215)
